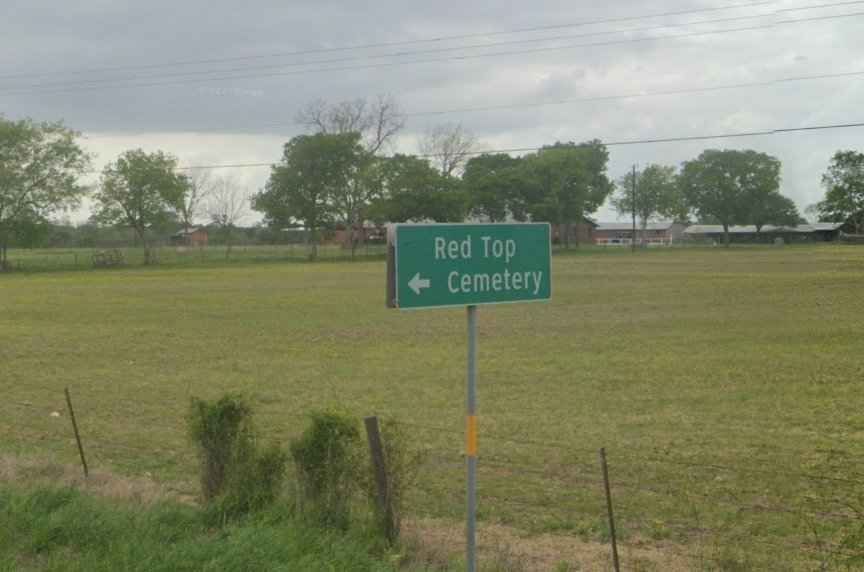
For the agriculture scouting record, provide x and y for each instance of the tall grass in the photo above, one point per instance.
(59, 529)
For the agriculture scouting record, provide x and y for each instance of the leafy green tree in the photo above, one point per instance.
(305, 188)
(493, 183)
(412, 190)
(40, 165)
(29, 231)
(730, 186)
(779, 210)
(142, 191)
(844, 191)
(760, 191)
(710, 187)
(352, 201)
(564, 183)
(657, 195)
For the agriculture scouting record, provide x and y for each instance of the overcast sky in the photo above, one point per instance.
(220, 83)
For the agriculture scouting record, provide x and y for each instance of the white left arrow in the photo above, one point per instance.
(416, 283)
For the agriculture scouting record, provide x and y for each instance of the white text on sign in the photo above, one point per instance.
(492, 248)
(495, 281)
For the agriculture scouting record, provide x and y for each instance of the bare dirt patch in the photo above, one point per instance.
(503, 549)
(137, 491)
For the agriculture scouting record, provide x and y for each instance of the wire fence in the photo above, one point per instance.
(751, 518)
(61, 259)
(69, 259)
(710, 515)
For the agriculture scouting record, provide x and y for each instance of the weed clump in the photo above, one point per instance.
(237, 476)
(327, 457)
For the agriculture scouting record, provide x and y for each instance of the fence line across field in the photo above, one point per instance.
(572, 489)
(854, 482)
(113, 255)
(660, 460)
(637, 242)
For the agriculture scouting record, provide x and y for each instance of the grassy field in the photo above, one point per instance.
(725, 386)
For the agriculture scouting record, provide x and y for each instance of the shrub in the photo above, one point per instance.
(327, 459)
(223, 432)
(253, 484)
(236, 476)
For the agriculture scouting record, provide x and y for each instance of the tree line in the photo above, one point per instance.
(342, 175)
(725, 187)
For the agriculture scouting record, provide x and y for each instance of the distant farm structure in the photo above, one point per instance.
(578, 233)
(802, 233)
(654, 233)
(189, 237)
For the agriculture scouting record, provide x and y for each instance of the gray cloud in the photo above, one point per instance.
(61, 37)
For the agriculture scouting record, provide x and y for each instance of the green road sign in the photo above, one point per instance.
(435, 265)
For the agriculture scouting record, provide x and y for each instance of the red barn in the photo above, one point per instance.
(189, 237)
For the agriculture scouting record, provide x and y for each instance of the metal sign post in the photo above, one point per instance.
(441, 265)
(471, 443)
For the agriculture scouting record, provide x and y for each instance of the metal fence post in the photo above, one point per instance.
(609, 509)
(376, 450)
(75, 428)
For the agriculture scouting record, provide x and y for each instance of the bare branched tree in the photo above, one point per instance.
(200, 186)
(449, 146)
(227, 205)
(386, 120)
(377, 120)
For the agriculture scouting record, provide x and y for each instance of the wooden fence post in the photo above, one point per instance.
(609, 509)
(376, 450)
(75, 428)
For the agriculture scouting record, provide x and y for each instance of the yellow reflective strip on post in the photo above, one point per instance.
(471, 445)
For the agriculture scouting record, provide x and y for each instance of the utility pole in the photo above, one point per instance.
(633, 193)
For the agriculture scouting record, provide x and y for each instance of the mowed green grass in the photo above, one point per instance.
(724, 384)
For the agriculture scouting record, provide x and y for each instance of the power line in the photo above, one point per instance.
(820, 6)
(682, 139)
(393, 44)
(196, 129)
(607, 144)
(24, 91)
(699, 137)
(387, 64)
(381, 56)
(636, 95)
(814, 18)
(821, 76)
(568, 101)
